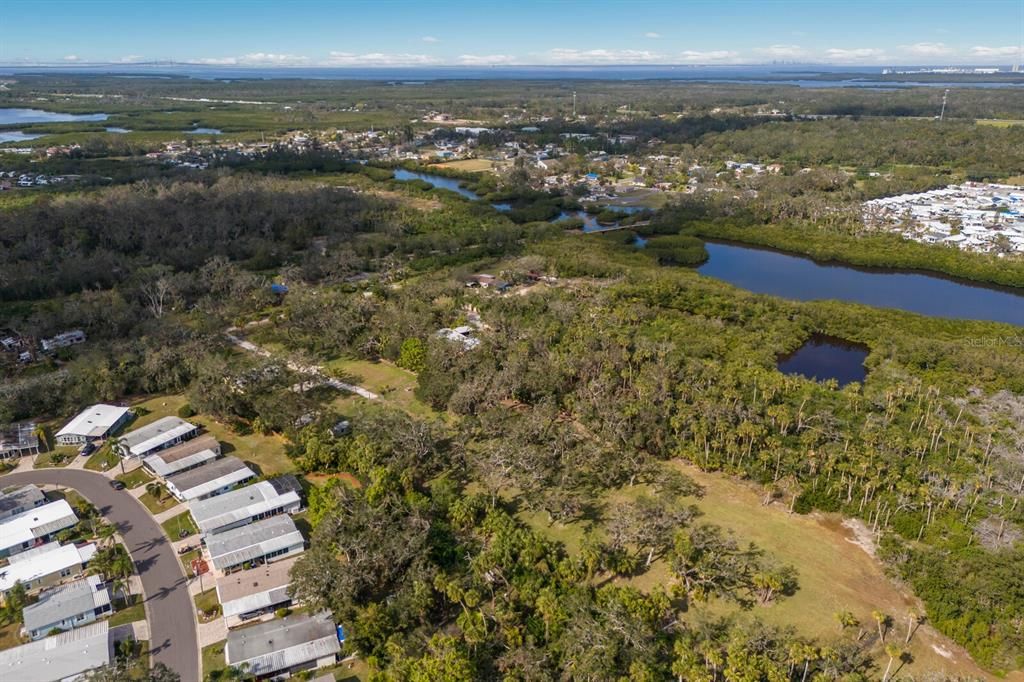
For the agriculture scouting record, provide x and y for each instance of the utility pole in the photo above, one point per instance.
(574, 104)
(942, 113)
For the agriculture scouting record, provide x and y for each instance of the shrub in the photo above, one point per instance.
(186, 411)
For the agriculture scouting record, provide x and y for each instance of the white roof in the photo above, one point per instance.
(58, 657)
(94, 422)
(151, 436)
(283, 643)
(209, 478)
(256, 588)
(240, 504)
(36, 523)
(248, 543)
(64, 602)
(163, 469)
(30, 566)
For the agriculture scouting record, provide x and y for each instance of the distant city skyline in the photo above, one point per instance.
(360, 33)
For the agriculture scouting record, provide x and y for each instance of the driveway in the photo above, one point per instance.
(169, 610)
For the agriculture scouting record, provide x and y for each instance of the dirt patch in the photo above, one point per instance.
(862, 537)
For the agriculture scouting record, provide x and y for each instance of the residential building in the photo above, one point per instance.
(268, 540)
(35, 526)
(18, 440)
(210, 479)
(14, 500)
(184, 456)
(62, 608)
(45, 566)
(244, 505)
(93, 423)
(63, 340)
(60, 658)
(244, 595)
(283, 646)
(160, 435)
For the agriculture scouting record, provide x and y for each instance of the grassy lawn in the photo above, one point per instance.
(140, 661)
(133, 479)
(213, 658)
(156, 506)
(129, 614)
(180, 522)
(58, 457)
(186, 561)
(394, 385)
(834, 573)
(206, 602)
(102, 459)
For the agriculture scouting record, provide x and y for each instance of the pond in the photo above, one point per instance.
(15, 136)
(16, 116)
(824, 357)
(115, 129)
(766, 271)
(437, 181)
(204, 131)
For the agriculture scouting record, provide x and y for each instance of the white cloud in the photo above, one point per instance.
(857, 54)
(71, 58)
(486, 59)
(129, 59)
(255, 59)
(564, 55)
(652, 34)
(430, 39)
(379, 59)
(782, 51)
(983, 51)
(708, 57)
(927, 49)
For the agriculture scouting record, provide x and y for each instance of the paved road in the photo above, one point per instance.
(173, 639)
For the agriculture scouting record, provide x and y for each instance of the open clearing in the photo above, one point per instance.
(468, 165)
(835, 573)
(394, 385)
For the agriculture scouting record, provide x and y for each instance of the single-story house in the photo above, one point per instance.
(45, 566)
(160, 435)
(73, 605)
(35, 526)
(248, 594)
(285, 645)
(264, 541)
(211, 479)
(184, 456)
(59, 658)
(15, 500)
(71, 338)
(244, 505)
(19, 440)
(93, 423)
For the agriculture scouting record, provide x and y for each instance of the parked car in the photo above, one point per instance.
(87, 449)
(117, 485)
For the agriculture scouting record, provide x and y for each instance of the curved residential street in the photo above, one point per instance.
(169, 610)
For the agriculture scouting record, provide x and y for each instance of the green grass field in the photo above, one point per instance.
(177, 523)
(133, 479)
(155, 506)
(58, 457)
(129, 614)
(394, 385)
(102, 460)
(213, 658)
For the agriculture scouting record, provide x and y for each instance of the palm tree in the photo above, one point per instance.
(883, 622)
(119, 447)
(154, 490)
(893, 652)
(120, 585)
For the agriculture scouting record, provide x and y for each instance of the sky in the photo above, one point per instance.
(361, 33)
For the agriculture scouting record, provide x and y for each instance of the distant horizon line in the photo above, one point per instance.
(293, 67)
